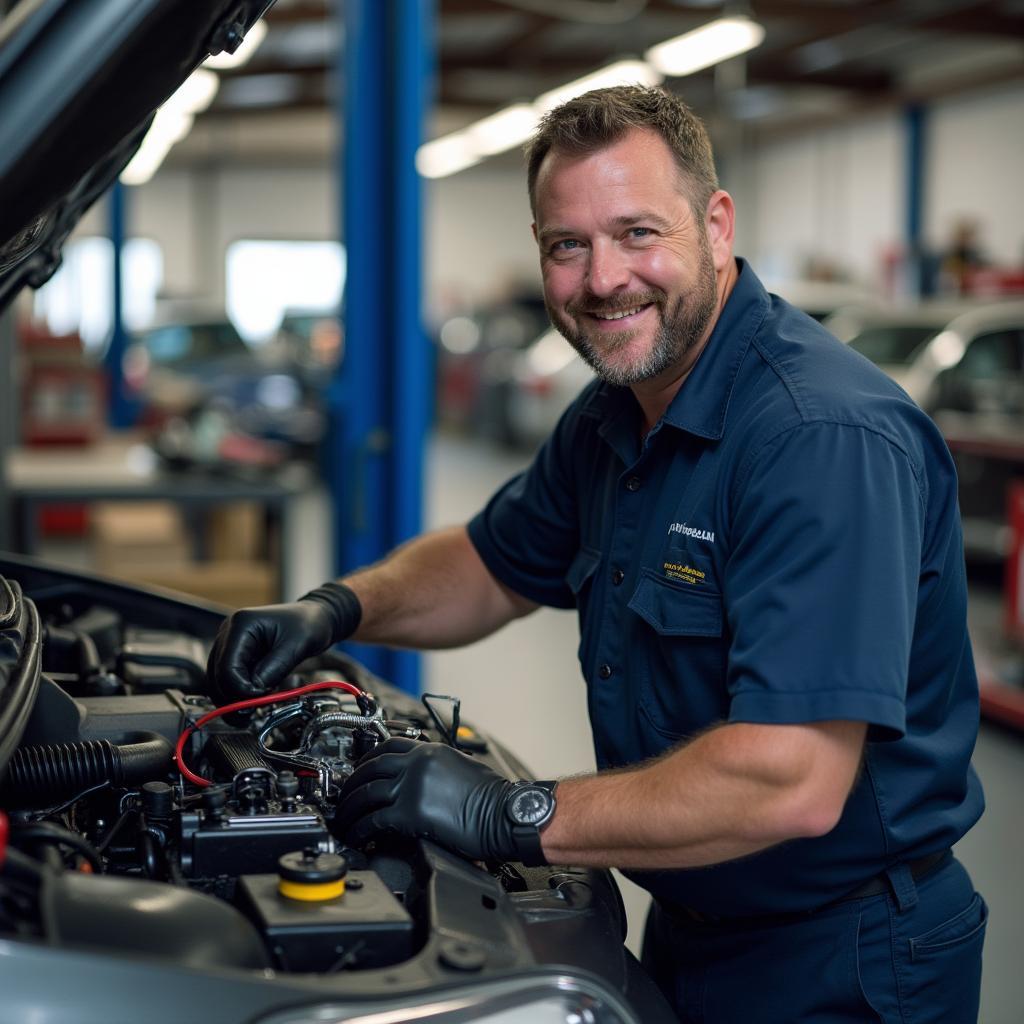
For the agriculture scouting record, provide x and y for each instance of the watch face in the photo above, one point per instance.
(531, 805)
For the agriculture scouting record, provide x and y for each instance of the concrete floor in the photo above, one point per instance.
(523, 685)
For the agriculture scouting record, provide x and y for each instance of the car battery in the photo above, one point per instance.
(364, 926)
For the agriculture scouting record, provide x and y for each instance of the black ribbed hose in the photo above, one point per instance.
(42, 775)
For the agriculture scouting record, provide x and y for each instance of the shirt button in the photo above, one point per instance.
(617, 577)
(605, 671)
(633, 483)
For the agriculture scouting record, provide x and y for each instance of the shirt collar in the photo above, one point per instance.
(702, 402)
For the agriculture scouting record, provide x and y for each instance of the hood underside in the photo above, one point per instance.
(80, 81)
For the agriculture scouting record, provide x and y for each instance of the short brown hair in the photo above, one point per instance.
(602, 117)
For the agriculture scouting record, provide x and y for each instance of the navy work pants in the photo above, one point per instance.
(911, 955)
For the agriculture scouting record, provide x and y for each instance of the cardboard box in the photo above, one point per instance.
(236, 584)
(149, 532)
(237, 531)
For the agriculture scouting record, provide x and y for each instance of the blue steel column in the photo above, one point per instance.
(120, 408)
(915, 118)
(379, 401)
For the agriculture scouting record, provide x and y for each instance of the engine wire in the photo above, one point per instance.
(252, 702)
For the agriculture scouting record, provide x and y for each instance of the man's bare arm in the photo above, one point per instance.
(433, 592)
(732, 791)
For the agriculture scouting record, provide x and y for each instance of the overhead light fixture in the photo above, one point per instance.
(164, 132)
(172, 123)
(710, 44)
(623, 72)
(447, 155)
(717, 41)
(224, 61)
(504, 130)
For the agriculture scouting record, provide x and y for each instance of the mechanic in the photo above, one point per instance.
(760, 533)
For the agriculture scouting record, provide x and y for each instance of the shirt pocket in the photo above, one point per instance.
(677, 609)
(680, 669)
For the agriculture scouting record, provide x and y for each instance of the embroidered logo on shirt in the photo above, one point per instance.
(692, 531)
(686, 573)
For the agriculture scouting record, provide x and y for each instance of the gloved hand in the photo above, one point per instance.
(256, 648)
(431, 791)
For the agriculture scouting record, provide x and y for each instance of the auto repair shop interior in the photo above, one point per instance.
(304, 323)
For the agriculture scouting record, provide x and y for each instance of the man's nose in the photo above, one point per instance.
(608, 271)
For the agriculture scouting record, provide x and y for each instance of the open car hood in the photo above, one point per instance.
(80, 81)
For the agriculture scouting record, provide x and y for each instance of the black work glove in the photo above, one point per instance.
(431, 791)
(256, 648)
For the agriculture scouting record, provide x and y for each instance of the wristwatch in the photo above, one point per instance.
(530, 806)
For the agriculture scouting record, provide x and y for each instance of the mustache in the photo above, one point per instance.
(620, 303)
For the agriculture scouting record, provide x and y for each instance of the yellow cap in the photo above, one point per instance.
(311, 892)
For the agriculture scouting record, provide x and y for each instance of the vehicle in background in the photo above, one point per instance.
(210, 399)
(312, 340)
(545, 378)
(475, 354)
(964, 357)
(183, 358)
(822, 299)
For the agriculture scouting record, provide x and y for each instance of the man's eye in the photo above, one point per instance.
(639, 232)
(565, 245)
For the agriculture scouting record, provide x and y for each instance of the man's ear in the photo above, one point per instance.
(533, 228)
(720, 224)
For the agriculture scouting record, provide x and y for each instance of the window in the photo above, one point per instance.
(79, 297)
(267, 279)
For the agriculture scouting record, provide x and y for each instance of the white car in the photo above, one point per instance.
(967, 357)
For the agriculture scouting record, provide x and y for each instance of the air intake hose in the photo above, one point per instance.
(48, 774)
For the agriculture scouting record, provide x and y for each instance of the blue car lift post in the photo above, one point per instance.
(379, 401)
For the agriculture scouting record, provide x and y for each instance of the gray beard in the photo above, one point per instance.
(680, 329)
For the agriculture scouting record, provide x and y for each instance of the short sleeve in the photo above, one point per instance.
(821, 582)
(528, 533)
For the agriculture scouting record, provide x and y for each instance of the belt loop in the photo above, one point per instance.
(901, 879)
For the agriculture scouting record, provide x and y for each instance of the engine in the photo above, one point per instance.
(154, 844)
(127, 771)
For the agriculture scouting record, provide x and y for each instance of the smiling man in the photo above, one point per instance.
(760, 534)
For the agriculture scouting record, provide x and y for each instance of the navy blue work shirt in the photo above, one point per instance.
(783, 547)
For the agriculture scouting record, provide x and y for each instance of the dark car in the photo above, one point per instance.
(165, 860)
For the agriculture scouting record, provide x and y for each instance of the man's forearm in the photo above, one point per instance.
(433, 592)
(732, 791)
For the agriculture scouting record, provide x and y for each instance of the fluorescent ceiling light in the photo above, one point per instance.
(224, 60)
(503, 130)
(710, 44)
(172, 123)
(195, 94)
(447, 155)
(168, 127)
(623, 72)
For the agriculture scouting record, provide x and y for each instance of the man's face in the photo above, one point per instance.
(629, 277)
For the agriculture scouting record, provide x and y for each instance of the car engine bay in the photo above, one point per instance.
(141, 820)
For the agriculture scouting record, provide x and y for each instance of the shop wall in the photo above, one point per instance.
(838, 195)
(976, 167)
(832, 199)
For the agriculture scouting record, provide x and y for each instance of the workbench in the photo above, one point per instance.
(123, 469)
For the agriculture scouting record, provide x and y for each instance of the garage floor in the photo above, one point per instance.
(523, 685)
